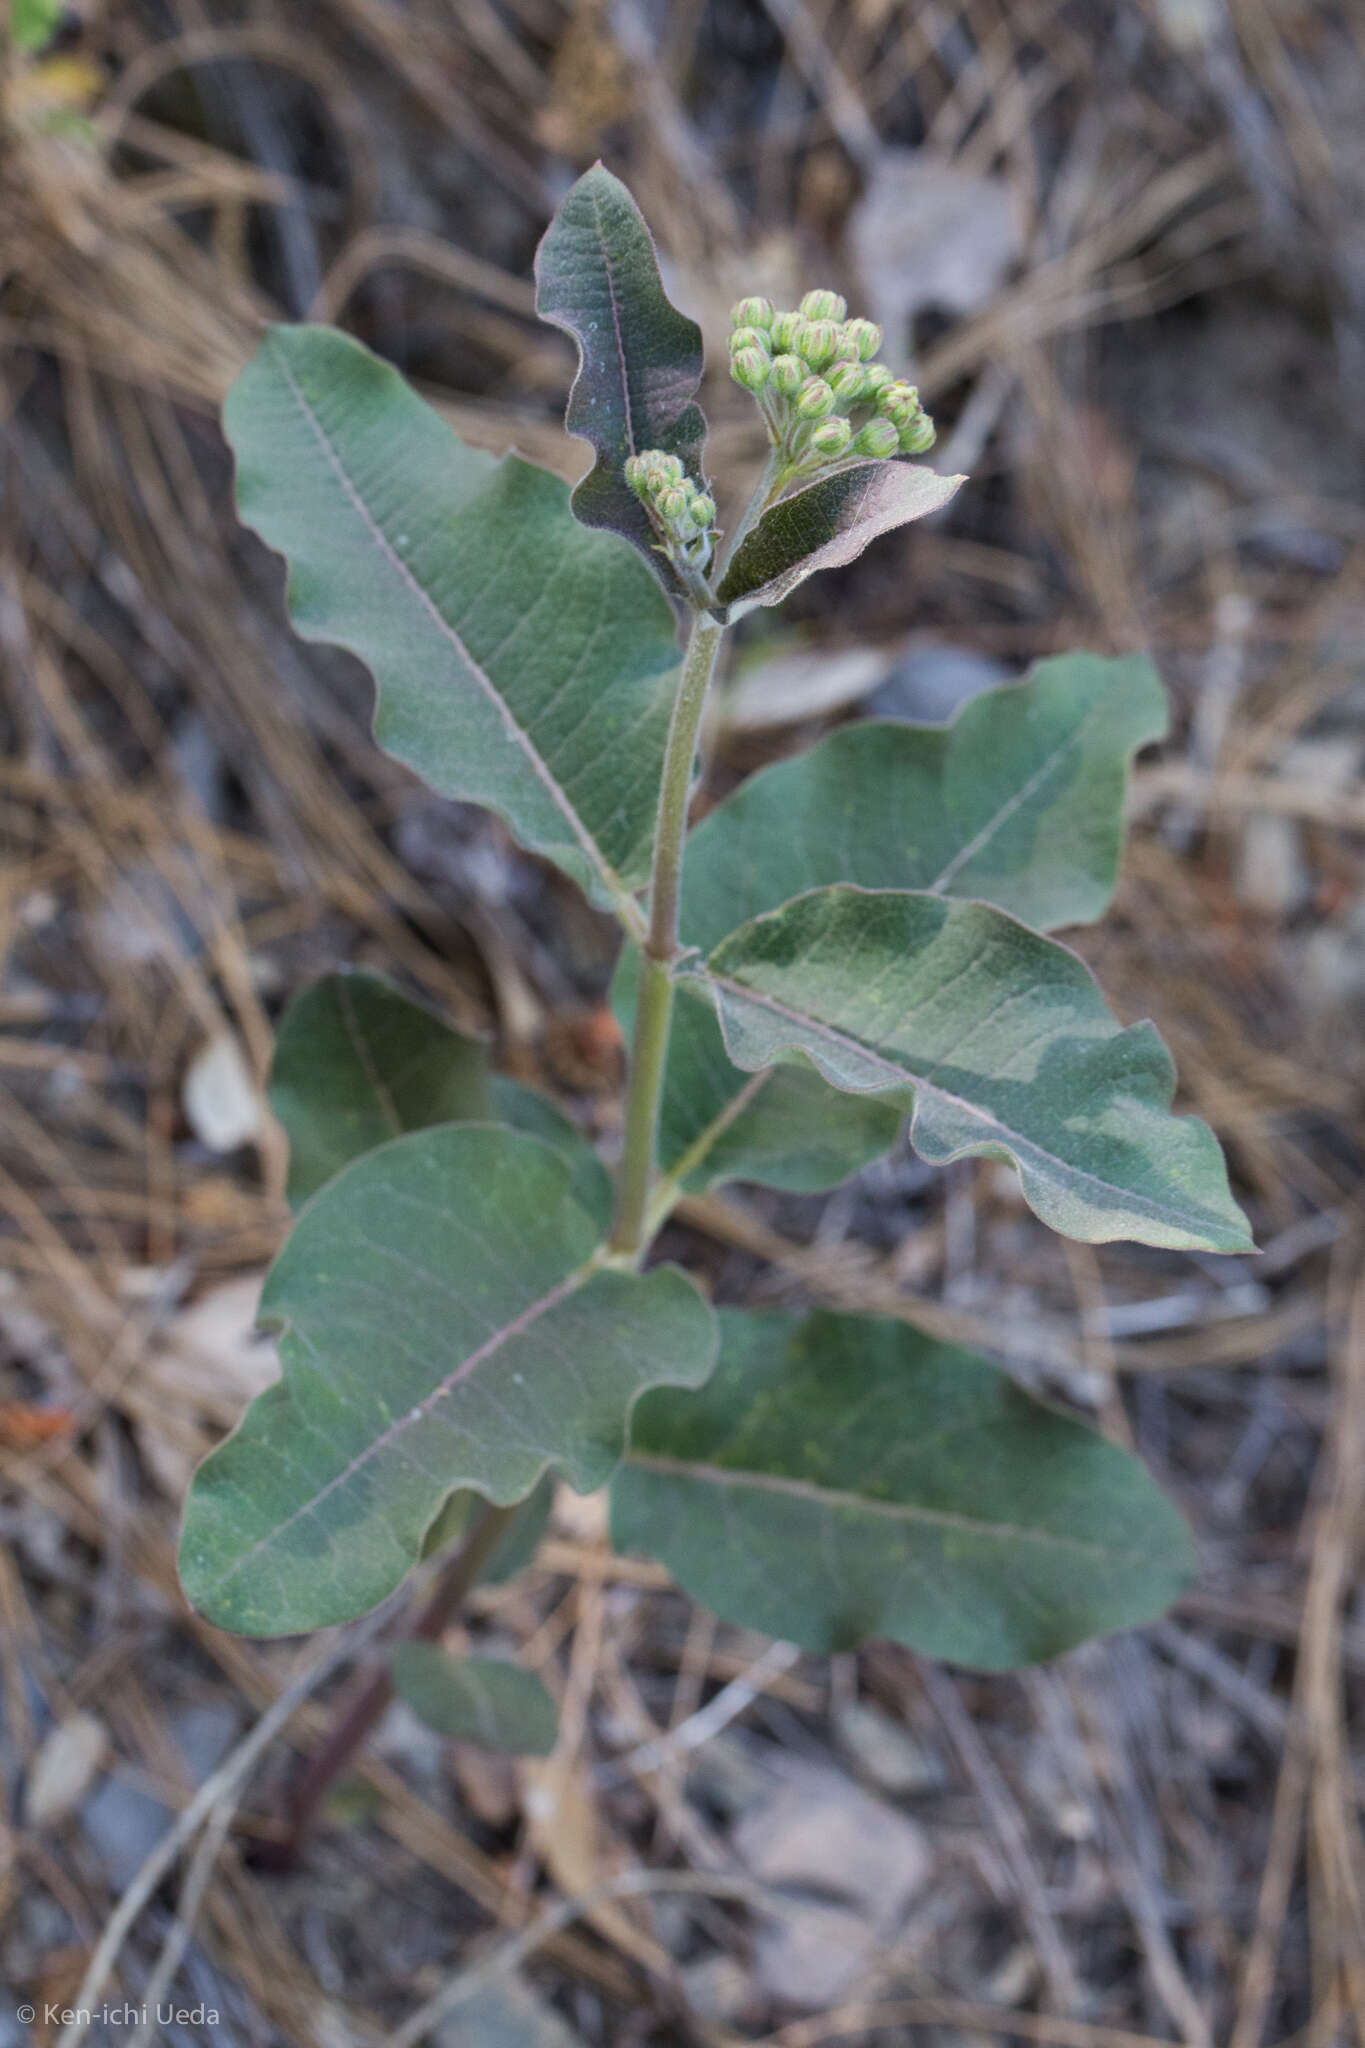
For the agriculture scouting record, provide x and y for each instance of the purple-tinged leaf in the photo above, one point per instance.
(828, 523)
(640, 359)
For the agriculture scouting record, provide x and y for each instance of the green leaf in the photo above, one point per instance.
(33, 23)
(520, 662)
(827, 524)
(786, 1128)
(848, 1476)
(357, 1062)
(1000, 1042)
(484, 1700)
(640, 359)
(1019, 803)
(526, 1109)
(443, 1323)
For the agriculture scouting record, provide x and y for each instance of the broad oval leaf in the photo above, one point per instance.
(847, 1476)
(1002, 1045)
(357, 1062)
(640, 359)
(442, 1323)
(485, 1700)
(1019, 803)
(520, 662)
(825, 525)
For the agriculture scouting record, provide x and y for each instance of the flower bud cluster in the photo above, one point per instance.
(818, 386)
(683, 513)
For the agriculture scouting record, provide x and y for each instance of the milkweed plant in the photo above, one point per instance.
(858, 936)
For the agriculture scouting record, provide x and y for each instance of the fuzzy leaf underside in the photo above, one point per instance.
(1018, 802)
(357, 1063)
(1001, 1044)
(827, 524)
(484, 1700)
(846, 1476)
(520, 661)
(442, 1324)
(640, 359)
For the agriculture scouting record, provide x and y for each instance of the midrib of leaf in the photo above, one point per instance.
(1012, 805)
(904, 1077)
(670, 1184)
(387, 1106)
(525, 1320)
(625, 902)
(838, 1497)
(615, 322)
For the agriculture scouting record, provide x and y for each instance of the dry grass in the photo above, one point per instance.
(194, 823)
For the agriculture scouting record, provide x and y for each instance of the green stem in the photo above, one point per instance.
(654, 1004)
(766, 490)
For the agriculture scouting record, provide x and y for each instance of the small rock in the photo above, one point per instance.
(64, 1770)
(220, 1098)
(854, 1864)
(123, 1825)
(885, 1751)
(929, 233)
(724, 1776)
(932, 681)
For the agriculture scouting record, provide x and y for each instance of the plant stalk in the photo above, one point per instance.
(654, 1003)
(371, 1691)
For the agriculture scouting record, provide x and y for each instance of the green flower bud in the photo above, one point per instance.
(752, 313)
(816, 341)
(823, 305)
(672, 502)
(749, 337)
(866, 336)
(814, 400)
(750, 367)
(845, 346)
(878, 438)
(787, 375)
(876, 379)
(636, 474)
(845, 380)
(703, 512)
(898, 401)
(782, 333)
(831, 437)
(918, 436)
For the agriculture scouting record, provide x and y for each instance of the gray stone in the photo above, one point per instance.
(932, 681)
(884, 1750)
(852, 1867)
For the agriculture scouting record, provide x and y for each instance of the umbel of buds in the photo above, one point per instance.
(683, 514)
(818, 387)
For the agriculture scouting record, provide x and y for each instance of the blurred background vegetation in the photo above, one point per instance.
(1120, 244)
